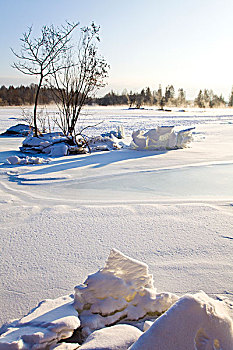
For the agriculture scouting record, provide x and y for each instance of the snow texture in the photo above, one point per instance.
(161, 138)
(194, 322)
(118, 337)
(47, 324)
(122, 290)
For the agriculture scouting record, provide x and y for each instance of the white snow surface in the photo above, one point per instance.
(170, 209)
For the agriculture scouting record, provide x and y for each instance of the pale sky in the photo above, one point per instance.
(187, 43)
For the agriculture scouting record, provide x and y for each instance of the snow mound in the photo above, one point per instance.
(13, 160)
(18, 130)
(161, 138)
(50, 322)
(122, 290)
(118, 337)
(194, 322)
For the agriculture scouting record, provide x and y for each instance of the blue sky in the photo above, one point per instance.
(149, 42)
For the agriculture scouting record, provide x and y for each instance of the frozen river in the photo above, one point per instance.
(171, 209)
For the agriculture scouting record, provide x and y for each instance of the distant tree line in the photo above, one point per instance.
(205, 99)
(145, 97)
(25, 95)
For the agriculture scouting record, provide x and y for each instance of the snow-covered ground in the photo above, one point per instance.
(171, 209)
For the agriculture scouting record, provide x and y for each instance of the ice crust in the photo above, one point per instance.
(161, 138)
(122, 290)
(194, 322)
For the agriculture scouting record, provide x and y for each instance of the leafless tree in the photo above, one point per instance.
(84, 73)
(41, 56)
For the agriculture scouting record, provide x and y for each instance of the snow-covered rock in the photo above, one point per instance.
(58, 150)
(42, 143)
(105, 142)
(18, 130)
(194, 322)
(50, 322)
(13, 160)
(161, 138)
(57, 145)
(118, 337)
(122, 290)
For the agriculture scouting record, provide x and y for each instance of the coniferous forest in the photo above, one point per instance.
(24, 95)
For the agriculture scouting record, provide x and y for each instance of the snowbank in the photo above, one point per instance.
(195, 322)
(163, 137)
(122, 290)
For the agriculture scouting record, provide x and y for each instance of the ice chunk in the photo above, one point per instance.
(194, 322)
(161, 138)
(118, 337)
(184, 137)
(13, 160)
(50, 322)
(123, 289)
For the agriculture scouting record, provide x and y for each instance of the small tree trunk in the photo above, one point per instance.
(35, 105)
